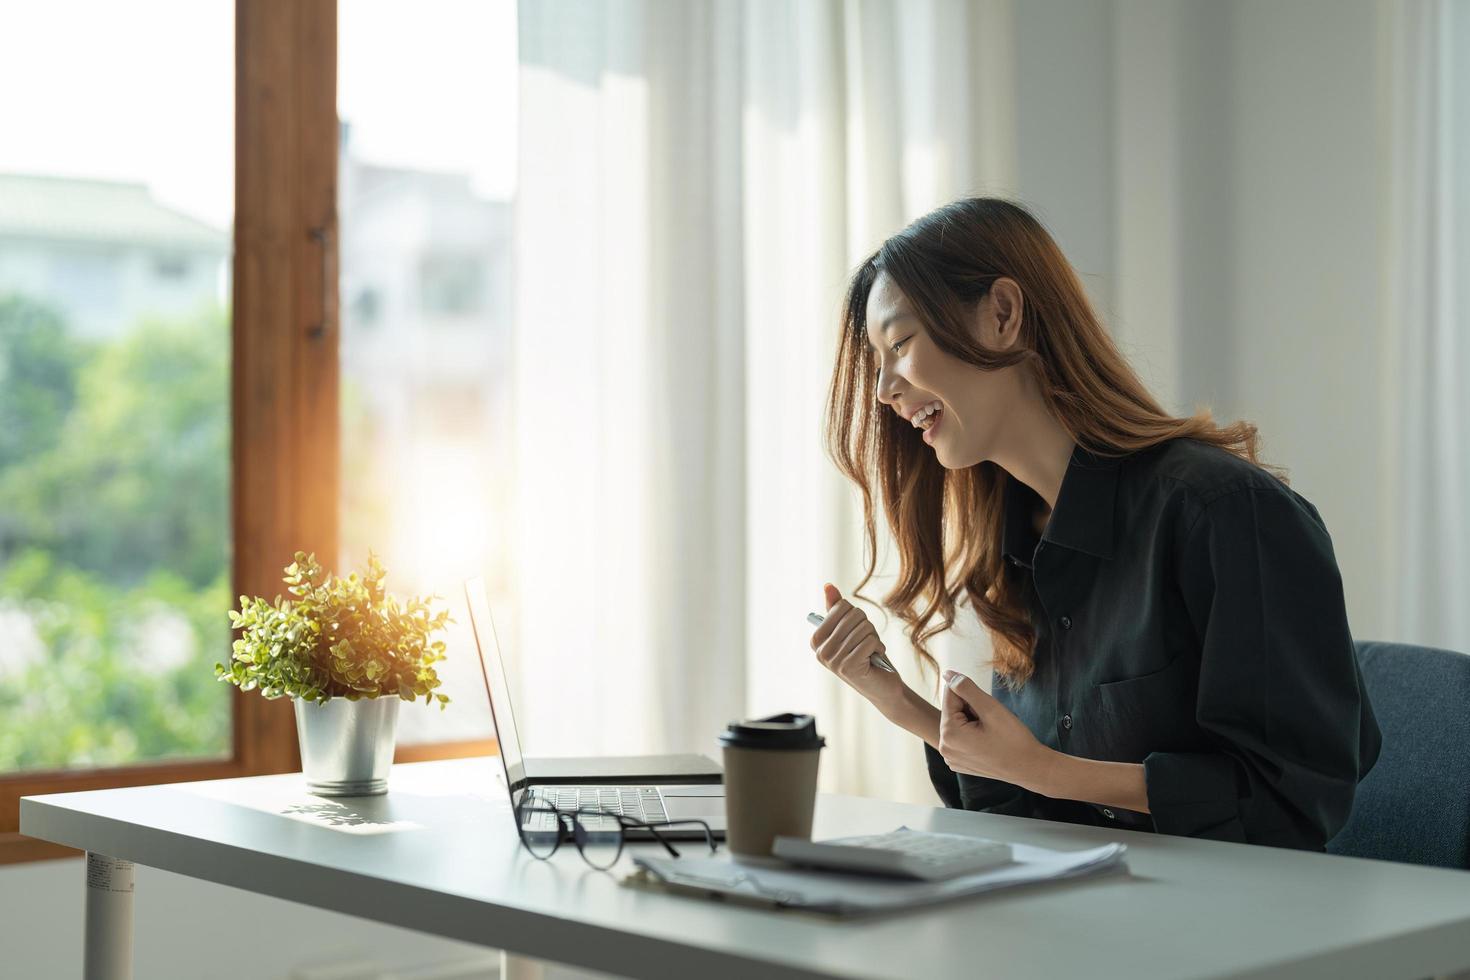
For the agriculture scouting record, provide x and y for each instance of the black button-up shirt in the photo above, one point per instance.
(1189, 616)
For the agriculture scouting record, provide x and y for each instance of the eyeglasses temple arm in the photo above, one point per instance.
(660, 838)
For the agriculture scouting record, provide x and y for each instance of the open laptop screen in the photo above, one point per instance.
(493, 669)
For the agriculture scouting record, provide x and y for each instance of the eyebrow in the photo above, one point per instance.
(887, 325)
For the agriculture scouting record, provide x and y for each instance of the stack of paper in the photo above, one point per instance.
(837, 893)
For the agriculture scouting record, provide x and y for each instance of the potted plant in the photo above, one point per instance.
(347, 652)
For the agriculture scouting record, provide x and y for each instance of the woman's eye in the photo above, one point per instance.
(896, 346)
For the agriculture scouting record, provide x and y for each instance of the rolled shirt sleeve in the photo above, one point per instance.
(1280, 692)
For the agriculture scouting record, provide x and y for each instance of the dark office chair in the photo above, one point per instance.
(1414, 805)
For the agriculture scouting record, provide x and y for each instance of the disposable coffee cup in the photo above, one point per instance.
(770, 781)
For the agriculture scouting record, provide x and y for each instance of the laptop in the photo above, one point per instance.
(652, 788)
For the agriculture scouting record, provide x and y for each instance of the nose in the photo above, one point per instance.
(888, 389)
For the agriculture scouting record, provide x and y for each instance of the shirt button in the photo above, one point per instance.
(1067, 722)
(1066, 622)
(1107, 813)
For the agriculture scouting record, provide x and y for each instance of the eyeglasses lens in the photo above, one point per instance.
(540, 831)
(600, 838)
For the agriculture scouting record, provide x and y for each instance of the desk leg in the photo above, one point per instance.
(513, 967)
(108, 951)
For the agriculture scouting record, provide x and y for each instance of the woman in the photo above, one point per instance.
(1171, 648)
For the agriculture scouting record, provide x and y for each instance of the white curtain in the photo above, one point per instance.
(696, 181)
(1427, 322)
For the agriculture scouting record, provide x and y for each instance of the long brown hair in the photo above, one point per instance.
(947, 523)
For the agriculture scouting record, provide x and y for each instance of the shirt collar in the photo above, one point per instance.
(1082, 520)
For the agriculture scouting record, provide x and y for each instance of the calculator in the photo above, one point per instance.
(902, 853)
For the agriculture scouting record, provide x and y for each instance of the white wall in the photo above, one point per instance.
(1304, 303)
(1064, 130)
(1213, 172)
(102, 289)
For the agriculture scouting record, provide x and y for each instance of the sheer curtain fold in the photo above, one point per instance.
(628, 466)
(696, 181)
(1427, 318)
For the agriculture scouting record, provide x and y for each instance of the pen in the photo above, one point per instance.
(877, 659)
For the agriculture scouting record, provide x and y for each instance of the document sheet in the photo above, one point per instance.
(844, 894)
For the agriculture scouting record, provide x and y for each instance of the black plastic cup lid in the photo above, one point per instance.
(784, 731)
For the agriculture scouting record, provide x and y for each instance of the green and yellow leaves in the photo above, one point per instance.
(337, 637)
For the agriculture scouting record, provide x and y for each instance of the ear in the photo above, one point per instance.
(999, 315)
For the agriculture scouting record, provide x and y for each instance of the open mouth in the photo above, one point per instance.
(931, 425)
(928, 418)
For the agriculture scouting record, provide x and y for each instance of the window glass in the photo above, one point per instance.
(426, 189)
(116, 197)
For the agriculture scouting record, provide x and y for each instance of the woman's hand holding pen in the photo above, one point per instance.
(982, 737)
(845, 644)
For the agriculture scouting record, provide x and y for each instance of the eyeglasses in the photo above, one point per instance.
(597, 833)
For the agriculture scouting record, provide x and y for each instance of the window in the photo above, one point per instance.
(452, 285)
(239, 352)
(115, 457)
(427, 163)
(131, 415)
(85, 280)
(171, 267)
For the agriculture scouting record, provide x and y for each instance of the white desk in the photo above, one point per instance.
(439, 854)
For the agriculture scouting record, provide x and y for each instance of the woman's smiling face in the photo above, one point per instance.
(972, 404)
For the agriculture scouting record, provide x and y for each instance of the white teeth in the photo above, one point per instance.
(924, 413)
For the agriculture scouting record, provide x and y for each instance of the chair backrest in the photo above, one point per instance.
(1414, 804)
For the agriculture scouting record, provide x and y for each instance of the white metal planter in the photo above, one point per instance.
(347, 746)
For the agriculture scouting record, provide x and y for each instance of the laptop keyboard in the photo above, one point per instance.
(638, 802)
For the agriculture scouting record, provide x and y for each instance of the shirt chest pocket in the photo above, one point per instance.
(1153, 712)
